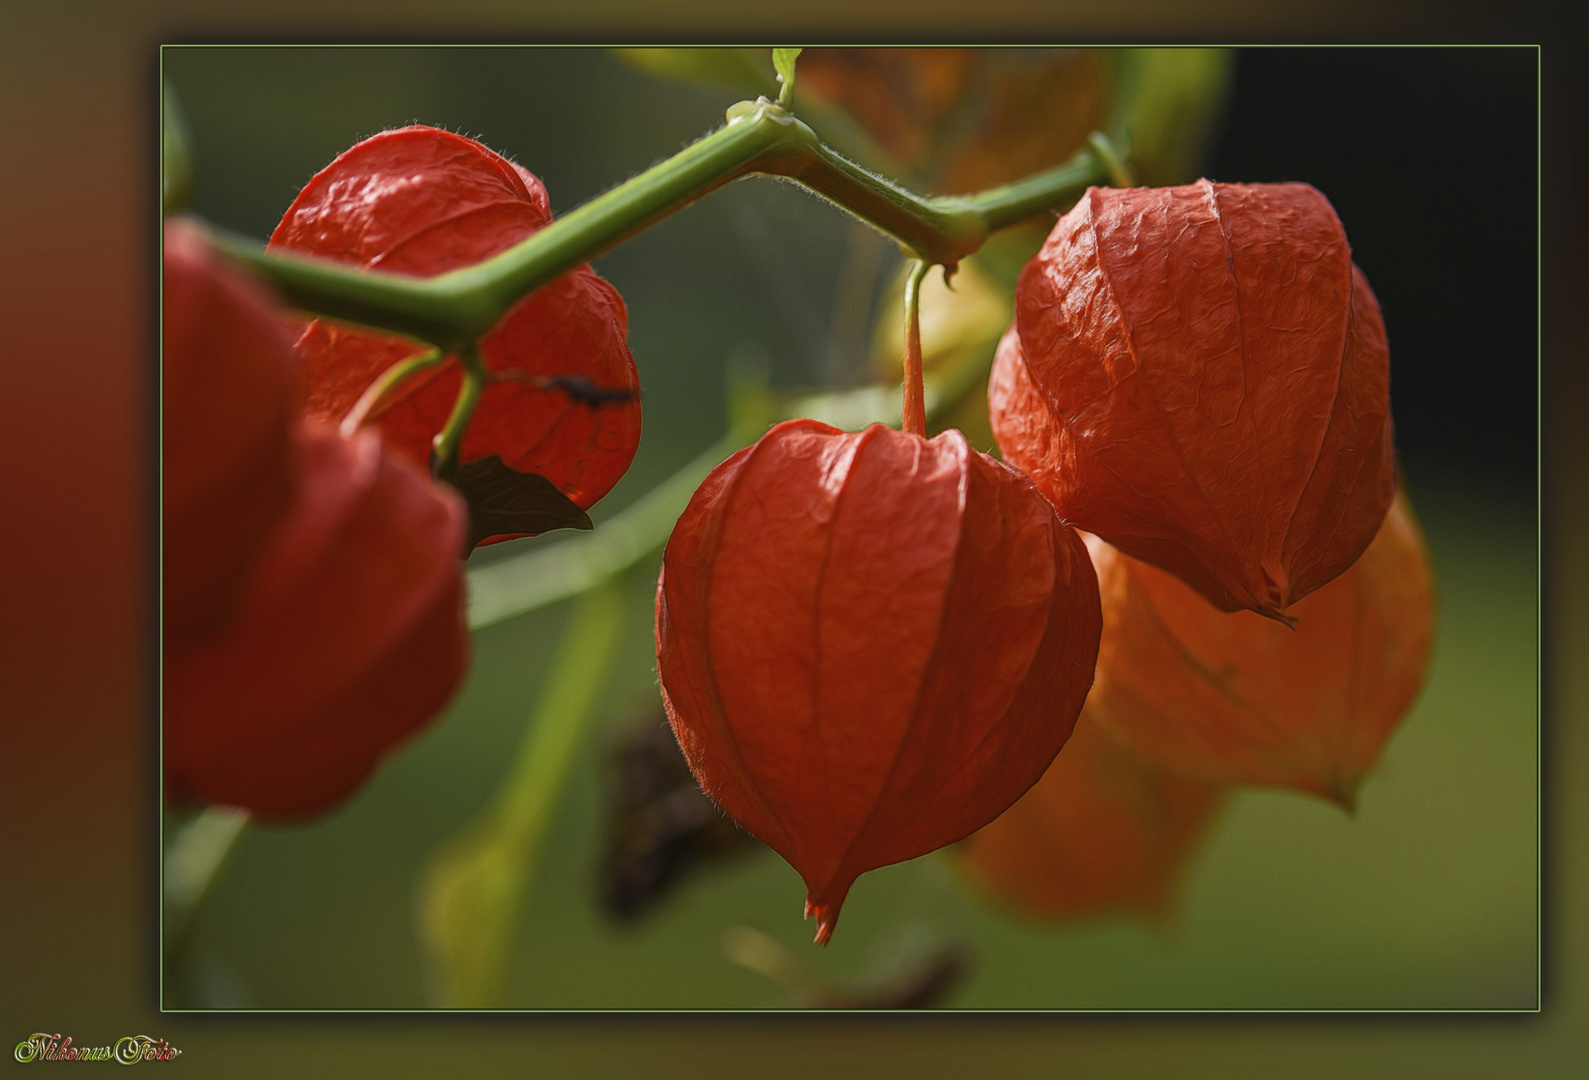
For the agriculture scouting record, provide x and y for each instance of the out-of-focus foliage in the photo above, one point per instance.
(176, 170)
(474, 888)
(744, 71)
(1165, 105)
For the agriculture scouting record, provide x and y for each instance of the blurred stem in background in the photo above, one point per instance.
(193, 861)
(475, 886)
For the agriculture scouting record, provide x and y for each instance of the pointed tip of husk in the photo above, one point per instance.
(827, 916)
(1343, 790)
(1279, 615)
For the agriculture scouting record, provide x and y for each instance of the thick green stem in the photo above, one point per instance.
(456, 308)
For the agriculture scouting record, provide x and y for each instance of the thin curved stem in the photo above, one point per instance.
(472, 893)
(383, 385)
(915, 412)
(444, 452)
(454, 309)
(1113, 162)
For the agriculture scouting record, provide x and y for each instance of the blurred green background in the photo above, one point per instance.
(1428, 899)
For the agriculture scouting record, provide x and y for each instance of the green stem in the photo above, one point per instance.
(1050, 191)
(192, 863)
(456, 308)
(1113, 163)
(472, 895)
(445, 451)
(384, 384)
(760, 952)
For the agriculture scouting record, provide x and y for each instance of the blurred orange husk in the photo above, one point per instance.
(964, 119)
(1103, 833)
(1237, 698)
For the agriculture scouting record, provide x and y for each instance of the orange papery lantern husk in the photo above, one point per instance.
(226, 393)
(1218, 374)
(1104, 833)
(419, 201)
(348, 638)
(1230, 697)
(1235, 698)
(870, 644)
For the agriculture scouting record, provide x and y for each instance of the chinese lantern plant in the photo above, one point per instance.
(227, 476)
(871, 644)
(1230, 697)
(1235, 698)
(332, 551)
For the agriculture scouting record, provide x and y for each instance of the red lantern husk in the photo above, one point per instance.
(1218, 374)
(420, 201)
(1105, 832)
(870, 644)
(348, 638)
(227, 386)
(1233, 698)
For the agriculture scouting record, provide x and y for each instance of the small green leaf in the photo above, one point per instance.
(505, 502)
(783, 61)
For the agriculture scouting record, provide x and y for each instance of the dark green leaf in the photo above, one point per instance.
(505, 502)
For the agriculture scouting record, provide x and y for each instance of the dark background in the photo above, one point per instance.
(79, 901)
(1429, 157)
